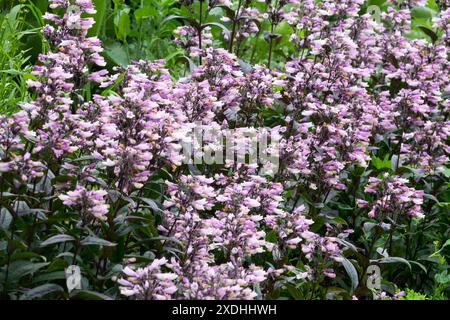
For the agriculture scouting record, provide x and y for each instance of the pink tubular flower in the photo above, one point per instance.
(148, 283)
(88, 203)
(393, 197)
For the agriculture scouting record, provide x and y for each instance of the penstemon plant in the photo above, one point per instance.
(92, 172)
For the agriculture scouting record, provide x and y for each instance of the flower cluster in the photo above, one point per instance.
(149, 282)
(189, 39)
(13, 155)
(60, 76)
(87, 203)
(200, 237)
(134, 128)
(247, 205)
(392, 197)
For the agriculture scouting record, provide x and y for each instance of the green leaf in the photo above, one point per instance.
(346, 244)
(13, 13)
(193, 170)
(191, 21)
(367, 226)
(145, 12)
(12, 72)
(447, 243)
(423, 13)
(20, 269)
(27, 255)
(221, 26)
(352, 273)
(57, 239)
(431, 197)
(152, 204)
(294, 292)
(284, 29)
(173, 55)
(393, 260)
(3, 245)
(442, 278)
(229, 12)
(5, 218)
(339, 220)
(429, 33)
(50, 276)
(381, 164)
(147, 257)
(117, 53)
(189, 62)
(99, 17)
(245, 66)
(420, 265)
(376, 2)
(93, 240)
(124, 25)
(41, 291)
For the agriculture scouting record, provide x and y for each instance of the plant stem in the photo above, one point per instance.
(255, 45)
(269, 60)
(200, 30)
(233, 31)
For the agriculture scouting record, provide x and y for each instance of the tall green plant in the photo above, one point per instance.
(13, 74)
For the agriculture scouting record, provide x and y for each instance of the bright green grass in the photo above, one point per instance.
(14, 69)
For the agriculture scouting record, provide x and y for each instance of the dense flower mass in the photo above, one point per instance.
(360, 108)
(395, 197)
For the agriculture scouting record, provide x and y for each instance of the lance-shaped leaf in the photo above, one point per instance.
(95, 241)
(57, 239)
